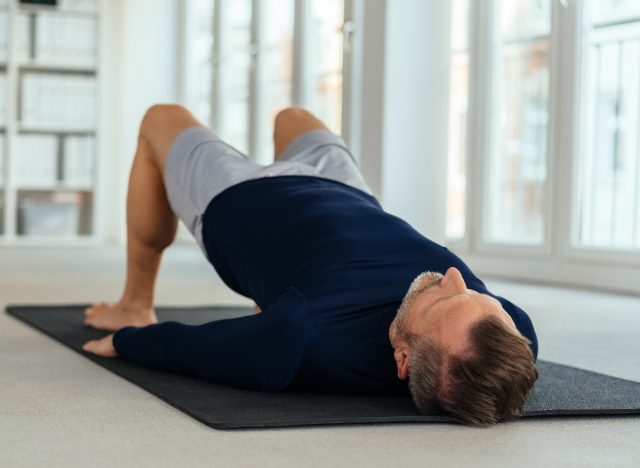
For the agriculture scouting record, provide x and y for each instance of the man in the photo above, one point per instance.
(305, 239)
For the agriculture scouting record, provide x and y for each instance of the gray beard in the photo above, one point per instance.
(415, 289)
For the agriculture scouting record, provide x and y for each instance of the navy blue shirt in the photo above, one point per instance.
(328, 267)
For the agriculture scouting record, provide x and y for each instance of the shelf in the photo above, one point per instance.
(22, 8)
(54, 188)
(57, 68)
(48, 241)
(72, 131)
(60, 211)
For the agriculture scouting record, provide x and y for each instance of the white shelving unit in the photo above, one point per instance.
(49, 96)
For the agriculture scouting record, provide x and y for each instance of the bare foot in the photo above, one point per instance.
(112, 317)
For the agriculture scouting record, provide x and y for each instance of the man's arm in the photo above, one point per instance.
(260, 351)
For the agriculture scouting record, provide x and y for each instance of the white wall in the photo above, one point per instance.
(406, 70)
(137, 70)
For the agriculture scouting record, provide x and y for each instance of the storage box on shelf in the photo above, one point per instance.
(47, 176)
(54, 160)
(65, 40)
(53, 213)
(57, 100)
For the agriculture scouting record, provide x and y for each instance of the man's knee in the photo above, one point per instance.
(290, 113)
(295, 116)
(161, 124)
(291, 122)
(159, 115)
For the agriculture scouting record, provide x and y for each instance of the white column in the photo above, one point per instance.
(139, 70)
(405, 109)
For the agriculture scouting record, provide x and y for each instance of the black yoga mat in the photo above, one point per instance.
(560, 390)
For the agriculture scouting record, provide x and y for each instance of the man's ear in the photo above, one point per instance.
(402, 361)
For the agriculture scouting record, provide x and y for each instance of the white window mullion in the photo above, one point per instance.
(181, 51)
(351, 73)
(233, 73)
(216, 82)
(559, 128)
(480, 96)
(473, 129)
(255, 79)
(566, 118)
(301, 78)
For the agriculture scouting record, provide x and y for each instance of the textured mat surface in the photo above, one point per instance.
(560, 390)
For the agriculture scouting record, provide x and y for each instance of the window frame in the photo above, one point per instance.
(557, 259)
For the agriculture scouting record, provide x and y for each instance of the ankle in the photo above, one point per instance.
(135, 303)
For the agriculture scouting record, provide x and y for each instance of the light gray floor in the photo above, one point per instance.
(59, 409)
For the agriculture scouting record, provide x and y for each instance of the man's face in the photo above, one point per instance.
(442, 307)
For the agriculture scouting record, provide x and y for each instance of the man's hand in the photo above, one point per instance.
(102, 347)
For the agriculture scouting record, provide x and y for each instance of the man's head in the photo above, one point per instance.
(461, 351)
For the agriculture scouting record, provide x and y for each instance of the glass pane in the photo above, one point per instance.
(3, 99)
(277, 70)
(609, 186)
(326, 48)
(614, 10)
(458, 96)
(4, 30)
(198, 50)
(524, 18)
(459, 24)
(517, 167)
(235, 63)
(2, 180)
(1, 212)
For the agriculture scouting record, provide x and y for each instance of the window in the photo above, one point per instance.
(326, 49)
(232, 71)
(244, 69)
(548, 147)
(198, 48)
(517, 172)
(276, 81)
(608, 195)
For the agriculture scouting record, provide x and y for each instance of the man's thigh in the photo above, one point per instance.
(161, 125)
(198, 165)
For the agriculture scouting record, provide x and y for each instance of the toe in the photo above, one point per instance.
(87, 346)
(95, 308)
